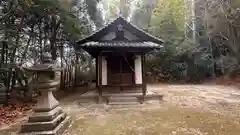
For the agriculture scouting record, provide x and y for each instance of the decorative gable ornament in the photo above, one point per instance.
(120, 27)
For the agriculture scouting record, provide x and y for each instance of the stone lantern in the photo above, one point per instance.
(48, 117)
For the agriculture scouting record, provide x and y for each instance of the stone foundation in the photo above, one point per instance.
(53, 122)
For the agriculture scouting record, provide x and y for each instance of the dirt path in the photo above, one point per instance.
(186, 110)
(204, 109)
(215, 98)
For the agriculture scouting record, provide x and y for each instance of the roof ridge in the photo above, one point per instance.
(143, 31)
(107, 24)
(119, 18)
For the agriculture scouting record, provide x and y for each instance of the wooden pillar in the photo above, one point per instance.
(144, 85)
(64, 77)
(96, 59)
(76, 71)
(100, 79)
(121, 75)
(70, 75)
(62, 83)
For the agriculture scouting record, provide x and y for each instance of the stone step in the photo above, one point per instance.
(116, 100)
(45, 116)
(123, 103)
(123, 106)
(125, 94)
(57, 131)
(43, 126)
(122, 99)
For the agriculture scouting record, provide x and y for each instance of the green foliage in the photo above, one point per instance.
(180, 59)
(94, 12)
(141, 13)
(168, 18)
(27, 27)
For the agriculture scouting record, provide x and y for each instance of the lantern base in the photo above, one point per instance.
(54, 122)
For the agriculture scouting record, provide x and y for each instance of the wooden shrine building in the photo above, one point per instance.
(119, 49)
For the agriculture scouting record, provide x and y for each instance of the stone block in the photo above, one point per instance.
(43, 126)
(123, 103)
(45, 116)
(122, 99)
(56, 131)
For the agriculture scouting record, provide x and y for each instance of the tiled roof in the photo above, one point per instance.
(121, 20)
(122, 44)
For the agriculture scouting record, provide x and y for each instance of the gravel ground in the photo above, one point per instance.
(220, 99)
(209, 97)
(204, 109)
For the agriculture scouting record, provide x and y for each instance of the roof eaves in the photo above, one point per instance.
(122, 44)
